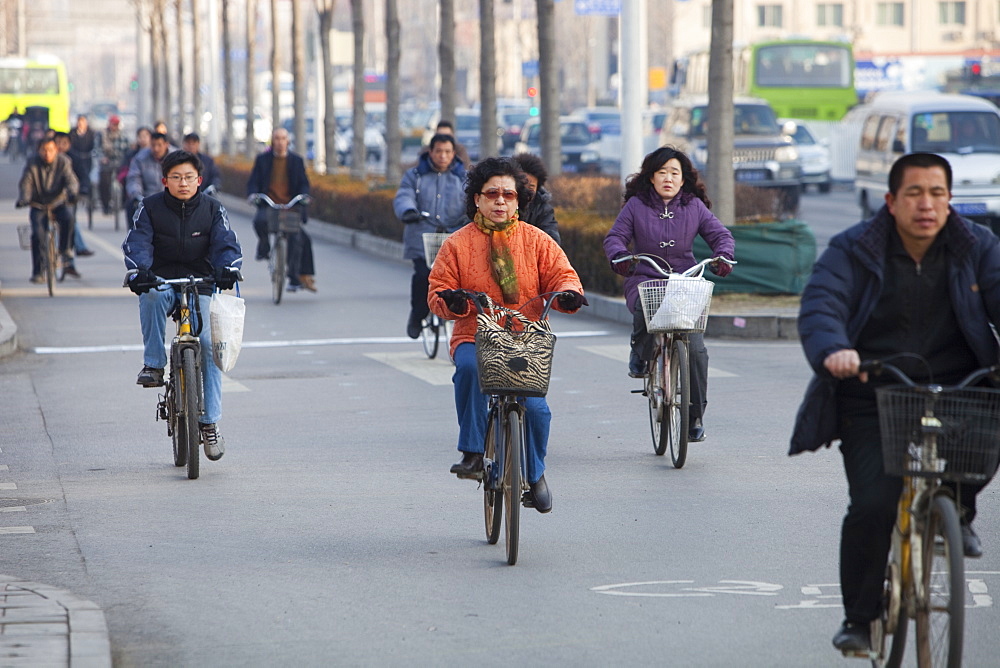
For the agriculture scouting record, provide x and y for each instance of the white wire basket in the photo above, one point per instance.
(24, 236)
(432, 244)
(677, 304)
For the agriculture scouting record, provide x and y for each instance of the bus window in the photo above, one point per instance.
(886, 131)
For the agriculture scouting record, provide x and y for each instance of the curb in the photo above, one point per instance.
(8, 332)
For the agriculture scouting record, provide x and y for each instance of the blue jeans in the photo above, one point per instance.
(153, 309)
(472, 406)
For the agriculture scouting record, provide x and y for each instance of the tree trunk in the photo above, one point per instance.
(156, 57)
(548, 90)
(275, 68)
(719, 177)
(181, 90)
(227, 81)
(446, 59)
(198, 101)
(250, 146)
(168, 99)
(299, 78)
(487, 80)
(329, 138)
(393, 136)
(358, 103)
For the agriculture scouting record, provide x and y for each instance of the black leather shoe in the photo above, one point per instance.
(971, 545)
(540, 495)
(471, 465)
(851, 637)
(696, 433)
(150, 377)
(413, 326)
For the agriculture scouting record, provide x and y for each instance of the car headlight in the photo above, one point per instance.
(589, 156)
(786, 154)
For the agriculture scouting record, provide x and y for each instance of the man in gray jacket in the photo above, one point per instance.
(431, 198)
(49, 181)
(145, 172)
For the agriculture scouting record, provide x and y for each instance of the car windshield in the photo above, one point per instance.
(748, 119)
(574, 133)
(467, 122)
(956, 132)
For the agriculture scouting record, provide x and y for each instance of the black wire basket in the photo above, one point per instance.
(964, 423)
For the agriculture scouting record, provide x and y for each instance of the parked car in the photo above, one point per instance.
(763, 154)
(466, 123)
(580, 152)
(510, 120)
(814, 154)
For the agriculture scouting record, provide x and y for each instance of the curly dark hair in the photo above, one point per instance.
(640, 184)
(486, 170)
(532, 164)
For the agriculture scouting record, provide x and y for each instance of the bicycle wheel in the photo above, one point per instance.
(279, 256)
(492, 498)
(513, 437)
(431, 334)
(175, 425)
(941, 609)
(189, 388)
(655, 393)
(51, 259)
(892, 622)
(677, 403)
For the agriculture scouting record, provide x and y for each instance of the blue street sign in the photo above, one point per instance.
(529, 69)
(597, 7)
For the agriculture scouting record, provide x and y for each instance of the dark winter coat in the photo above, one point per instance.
(540, 213)
(440, 194)
(260, 177)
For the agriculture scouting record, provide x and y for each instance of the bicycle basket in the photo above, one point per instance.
(966, 423)
(289, 222)
(24, 236)
(432, 244)
(677, 304)
(513, 361)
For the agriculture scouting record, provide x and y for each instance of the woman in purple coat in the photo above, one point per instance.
(665, 208)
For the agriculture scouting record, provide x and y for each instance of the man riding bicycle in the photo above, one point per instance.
(916, 278)
(145, 173)
(180, 232)
(48, 180)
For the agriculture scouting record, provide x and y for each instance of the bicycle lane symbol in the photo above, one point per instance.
(677, 589)
(828, 595)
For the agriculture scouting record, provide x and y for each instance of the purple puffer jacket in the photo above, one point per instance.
(639, 224)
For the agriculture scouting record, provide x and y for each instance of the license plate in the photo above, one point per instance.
(970, 208)
(753, 175)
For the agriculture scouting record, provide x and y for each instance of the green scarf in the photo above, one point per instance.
(501, 259)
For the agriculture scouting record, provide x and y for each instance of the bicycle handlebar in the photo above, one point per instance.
(877, 367)
(298, 199)
(482, 301)
(187, 280)
(655, 260)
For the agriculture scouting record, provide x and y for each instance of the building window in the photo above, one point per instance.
(889, 14)
(830, 14)
(951, 13)
(769, 16)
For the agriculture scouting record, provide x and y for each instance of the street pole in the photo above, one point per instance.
(633, 81)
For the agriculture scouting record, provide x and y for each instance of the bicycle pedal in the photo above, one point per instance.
(527, 500)
(474, 476)
(161, 409)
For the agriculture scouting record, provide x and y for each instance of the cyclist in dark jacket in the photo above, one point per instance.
(916, 278)
(48, 179)
(181, 232)
(539, 211)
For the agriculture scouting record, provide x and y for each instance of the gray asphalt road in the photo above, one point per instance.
(331, 532)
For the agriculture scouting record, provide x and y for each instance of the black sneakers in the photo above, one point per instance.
(852, 637)
(150, 377)
(470, 466)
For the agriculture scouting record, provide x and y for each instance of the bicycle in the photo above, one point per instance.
(673, 307)
(183, 400)
(45, 232)
(283, 225)
(433, 326)
(504, 477)
(930, 433)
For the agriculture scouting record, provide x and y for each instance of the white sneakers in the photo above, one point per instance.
(215, 445)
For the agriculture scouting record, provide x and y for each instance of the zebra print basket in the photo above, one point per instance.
(513, 354)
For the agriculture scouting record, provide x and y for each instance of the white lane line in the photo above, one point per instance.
(8, 485)
(620, 352)
(17, 530)
(3, 467)
(13, 509)
(436, 371)
(231, 385)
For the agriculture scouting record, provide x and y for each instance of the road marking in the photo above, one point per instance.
(111, 249)
(64, 290)
(435, 371)
(13, 509)
(17, 530)
(741, 587)
(3, 467)
(8, 485)
(620, 353)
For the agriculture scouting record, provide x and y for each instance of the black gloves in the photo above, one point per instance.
(226, 277)
(411, 216)
(571, 300)
(623, 268)
(141, 281)
(20, 204)
(456, 301)
(721, 269)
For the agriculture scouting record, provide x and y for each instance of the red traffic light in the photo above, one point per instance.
(976, 69)
(532, 91)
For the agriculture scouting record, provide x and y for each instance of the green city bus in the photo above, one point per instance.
(806, 79)
(39, 82)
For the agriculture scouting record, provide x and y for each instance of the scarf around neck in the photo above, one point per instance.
(501, 259)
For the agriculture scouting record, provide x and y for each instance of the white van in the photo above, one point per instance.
(963, 129)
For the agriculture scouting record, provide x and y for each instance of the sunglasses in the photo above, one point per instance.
(495, 193)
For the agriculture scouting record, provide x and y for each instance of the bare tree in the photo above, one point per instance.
(197, 98)
(325, 10)
(549, 91)
(181, 90)
(393, 138)
(250, 138)
(446, 59)
(227, 81)
(275, 67)
(168, 99)
(299, 77)
(156, 57)
(358, 103)
(719, 170)
(487, 80)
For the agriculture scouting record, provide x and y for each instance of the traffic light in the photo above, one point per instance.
(975, 70)
(134, 83)
(533, 95)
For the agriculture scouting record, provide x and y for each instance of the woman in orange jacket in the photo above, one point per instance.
(513, 263)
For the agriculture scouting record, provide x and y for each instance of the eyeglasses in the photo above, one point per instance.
(495, 193)
(183, 178)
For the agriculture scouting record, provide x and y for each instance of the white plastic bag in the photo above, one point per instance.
(226, 316)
